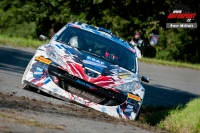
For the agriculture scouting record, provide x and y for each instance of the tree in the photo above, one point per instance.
(122, 17)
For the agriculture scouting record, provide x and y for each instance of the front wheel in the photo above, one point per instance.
(138, 115)
(24, 84)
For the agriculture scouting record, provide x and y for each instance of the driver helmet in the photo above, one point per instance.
(74, 41)
(113, 54)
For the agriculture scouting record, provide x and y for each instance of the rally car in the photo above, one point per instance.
(91, 66)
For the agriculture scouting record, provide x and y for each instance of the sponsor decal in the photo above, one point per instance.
(124, 75)
(96, 68)
(84, 83)
(38, 73)
(134, 97)
(55, 90)
(39, 64)
(75, 97)
(42, 59)
(103, 109)
(94, 60)
(85, 102)
(129, 106)
(80, 100)
(55, 80)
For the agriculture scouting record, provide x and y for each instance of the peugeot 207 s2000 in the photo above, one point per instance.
(91, 66)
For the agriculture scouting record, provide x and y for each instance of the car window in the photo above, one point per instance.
(99, 46)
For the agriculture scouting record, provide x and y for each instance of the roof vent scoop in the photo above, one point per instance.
(104, 30)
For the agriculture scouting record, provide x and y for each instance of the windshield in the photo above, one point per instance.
(99, 46)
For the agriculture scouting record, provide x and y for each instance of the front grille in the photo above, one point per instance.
(86, 89)
(91, 73)
(82, 93)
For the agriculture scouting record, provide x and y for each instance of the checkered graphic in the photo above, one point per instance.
(184, 8)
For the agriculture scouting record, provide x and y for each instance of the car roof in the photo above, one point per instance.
(101, 31)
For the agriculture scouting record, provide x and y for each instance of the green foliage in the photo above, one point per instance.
(19, 41)
(122, 17)
(184, 118)
(179, 45)
(25, 30)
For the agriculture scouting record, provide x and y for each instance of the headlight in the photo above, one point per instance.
(129, 87)
(53, 55)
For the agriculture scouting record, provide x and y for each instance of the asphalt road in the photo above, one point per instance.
(168, 86)
(13, 62)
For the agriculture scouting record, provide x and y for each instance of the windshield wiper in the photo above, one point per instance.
(61, 42)
(90, 53)
(102, 57)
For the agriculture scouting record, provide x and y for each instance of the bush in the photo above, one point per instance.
(183, 119)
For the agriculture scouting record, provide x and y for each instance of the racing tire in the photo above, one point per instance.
(138, 115)
(26, 85)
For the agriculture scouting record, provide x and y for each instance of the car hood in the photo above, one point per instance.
(92, 68)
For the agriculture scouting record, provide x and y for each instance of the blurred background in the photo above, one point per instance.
(30, 18)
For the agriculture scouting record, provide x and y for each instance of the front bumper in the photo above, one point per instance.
(85, 89)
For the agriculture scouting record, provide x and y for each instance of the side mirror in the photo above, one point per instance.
(42, 38)
(145, 79)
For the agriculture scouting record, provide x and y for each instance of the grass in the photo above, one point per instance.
(181, 119)
(184, 118)
(152, 115)
(19, 42)
(25, 30)
(170, 63)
